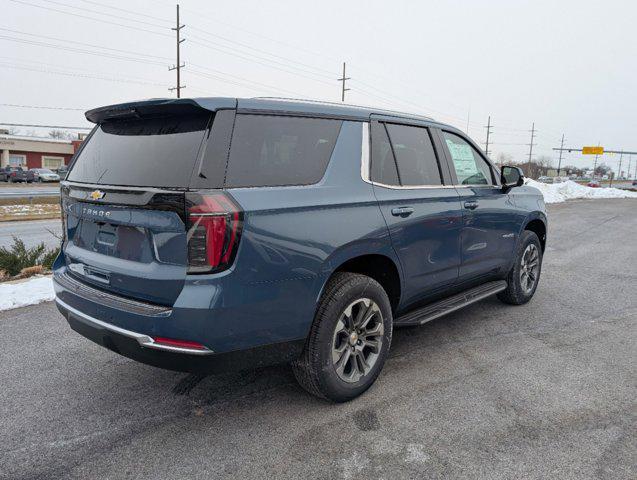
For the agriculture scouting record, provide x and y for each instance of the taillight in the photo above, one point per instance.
(214, 228)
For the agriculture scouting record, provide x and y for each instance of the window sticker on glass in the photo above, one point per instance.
(463, 159)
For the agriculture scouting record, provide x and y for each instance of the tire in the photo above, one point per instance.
(317, 369)
(519, 290)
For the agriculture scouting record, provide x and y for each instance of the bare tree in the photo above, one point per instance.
(545, 162)
(602, 169)
(60, 134)
(504, 159)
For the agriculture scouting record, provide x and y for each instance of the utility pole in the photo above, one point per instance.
(595, 164)
(178, 66)
(619, 173)
(630, 161)
(531, 149)
(468, 117)
(488, 127)
(343, 79)
(559, 163)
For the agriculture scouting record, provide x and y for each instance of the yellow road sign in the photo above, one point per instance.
(592, 150)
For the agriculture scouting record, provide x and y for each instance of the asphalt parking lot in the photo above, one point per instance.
(32, 232)
(546, 390)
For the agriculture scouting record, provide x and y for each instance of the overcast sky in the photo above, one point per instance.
(568, 66)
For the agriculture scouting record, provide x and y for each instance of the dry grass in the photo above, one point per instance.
(36, 211)
(30, 201)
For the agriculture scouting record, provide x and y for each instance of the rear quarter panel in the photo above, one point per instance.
(293, 239)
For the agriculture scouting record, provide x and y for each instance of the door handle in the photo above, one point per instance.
(471, 204)
(402, 211)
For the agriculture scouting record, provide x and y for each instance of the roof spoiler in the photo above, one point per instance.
(160, 106)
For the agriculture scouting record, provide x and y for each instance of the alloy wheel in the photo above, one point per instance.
(529, 268)
(357, 340)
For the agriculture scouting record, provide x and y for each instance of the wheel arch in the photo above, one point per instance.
(379, 266)
(537, 225)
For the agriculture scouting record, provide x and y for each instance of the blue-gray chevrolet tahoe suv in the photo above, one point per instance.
(209, 234)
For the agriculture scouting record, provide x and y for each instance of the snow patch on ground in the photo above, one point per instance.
(24, 210)
(28, 292)
(560, 192)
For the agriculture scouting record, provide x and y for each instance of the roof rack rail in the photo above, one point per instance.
(325, 102)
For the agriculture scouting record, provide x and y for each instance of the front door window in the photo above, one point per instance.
(471, 168)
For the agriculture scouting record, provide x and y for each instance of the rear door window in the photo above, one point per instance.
(415, 155)
(471, 168)
(273, 150)
(157, 152)
(383, 169)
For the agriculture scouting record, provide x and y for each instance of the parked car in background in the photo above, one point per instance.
(62, 171)
(551, 180)
(16, 174)
(5, 173)
(256, 231)
(594, 184)
(44, 175)
(634, 183)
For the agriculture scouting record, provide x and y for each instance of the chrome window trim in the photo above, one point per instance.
(143, 340)
(365, 168)
(365, 155)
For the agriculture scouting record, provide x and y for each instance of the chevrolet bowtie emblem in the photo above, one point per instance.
(96, 195)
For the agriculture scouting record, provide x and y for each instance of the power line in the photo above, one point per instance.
(374, 72)
(211, 20)
(231, 53)
(119, 17)
(42, 107)
(128, 11)
(205, 45)
(322, 72)
(270, 62)
(240, 81)
(57, 39)
(90, 18)
(79, 50)
(131, 80)
(300, 66)
(44, 126)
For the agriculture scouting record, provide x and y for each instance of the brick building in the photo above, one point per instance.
(36, 152)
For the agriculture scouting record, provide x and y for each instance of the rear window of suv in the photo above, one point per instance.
(158, 152)
(272, 150)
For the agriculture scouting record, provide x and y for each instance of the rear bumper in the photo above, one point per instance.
(94, 317)
(143, 340)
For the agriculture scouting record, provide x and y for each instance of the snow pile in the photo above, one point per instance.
(23, 293)
(560, 192)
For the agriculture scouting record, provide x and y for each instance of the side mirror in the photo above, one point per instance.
(511, 177)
